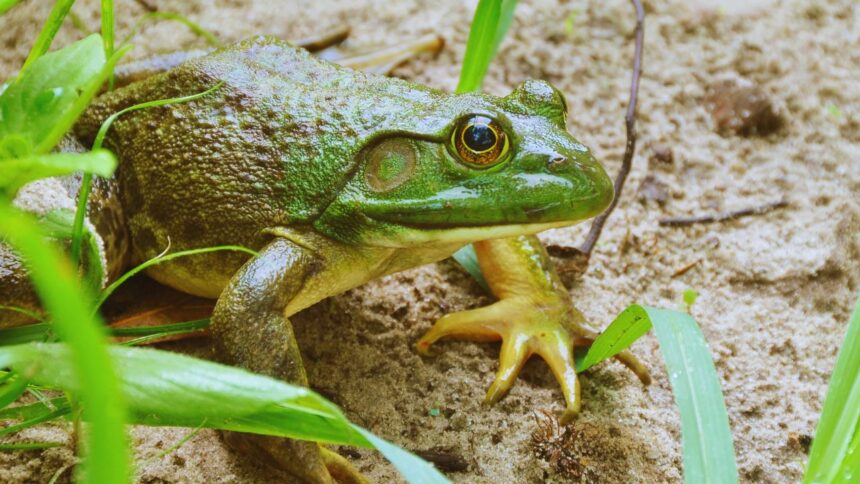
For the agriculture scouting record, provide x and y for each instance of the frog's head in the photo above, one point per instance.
(469, 167)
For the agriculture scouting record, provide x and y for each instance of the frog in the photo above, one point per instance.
(336, 176)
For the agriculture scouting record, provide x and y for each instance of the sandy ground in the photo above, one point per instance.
(774, 290)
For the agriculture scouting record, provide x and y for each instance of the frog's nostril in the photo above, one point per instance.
(556, 162)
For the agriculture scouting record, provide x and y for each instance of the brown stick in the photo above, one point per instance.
(722, 216)
(630, 120)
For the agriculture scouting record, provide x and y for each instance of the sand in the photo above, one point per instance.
(775, 290)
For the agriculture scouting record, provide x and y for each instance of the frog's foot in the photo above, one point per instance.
(550, 329)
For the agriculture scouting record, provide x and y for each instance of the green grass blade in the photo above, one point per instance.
(68, 118)
(46, 36)
(709, 455)
(631, 324)
(36, 317)
(835, 453)
(25, 334)
(19, 446)
(416, 470)
(175, 17)
(108, 35)
(45, 417)
(161, 330)
(481, 45)
(469, 260)
(707, 441)
(164, 258)
(5, 5)
(506, 16)
(56, 284)
(12, 389)
(107, 27)
(86, 182)
(33, 410)
(171, 389)
(17, 172)
(44, 94)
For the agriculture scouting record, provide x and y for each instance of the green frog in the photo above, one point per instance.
(336, 177)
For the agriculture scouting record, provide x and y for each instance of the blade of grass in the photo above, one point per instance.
(183, 327)
(56, 284)
(164, 258)
(835, 453)
(629, 326)
(24, 334)
(707, 441)
(17, 172)
(5, 5)
(107, 35)
(417, 470)
(152, 337)
(175, 17)
(171, 389)
(45, 417)
(12, 390)
(41, 332)
(30, 446)
(467, 258)
(46, 35)
(506, 16)
(190, 435)
(26, 312)
(33, 410)
(67, 119)
(481, 45)
(709, 455)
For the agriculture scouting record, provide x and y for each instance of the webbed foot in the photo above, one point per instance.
(532, 317)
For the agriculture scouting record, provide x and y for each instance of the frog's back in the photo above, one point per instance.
(270, 147)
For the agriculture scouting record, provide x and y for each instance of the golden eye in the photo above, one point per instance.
(480, 141)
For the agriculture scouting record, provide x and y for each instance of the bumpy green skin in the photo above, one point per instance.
(284, 143)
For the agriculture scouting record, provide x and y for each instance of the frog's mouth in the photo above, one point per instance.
(556, 201)
(429, 235)
(461, 215)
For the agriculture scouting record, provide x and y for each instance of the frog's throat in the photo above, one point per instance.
(423, 236)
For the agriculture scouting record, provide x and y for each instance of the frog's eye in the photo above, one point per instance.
(480, 141)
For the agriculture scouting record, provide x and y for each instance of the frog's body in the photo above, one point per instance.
(337, 177)
(283, 137)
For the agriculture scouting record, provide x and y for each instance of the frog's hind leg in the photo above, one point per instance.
(251, 330)
(383, 60)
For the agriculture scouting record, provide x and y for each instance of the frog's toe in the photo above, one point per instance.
(525, 328)
(482, 324)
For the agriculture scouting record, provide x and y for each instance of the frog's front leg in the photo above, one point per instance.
(534, 315)
(251, 329)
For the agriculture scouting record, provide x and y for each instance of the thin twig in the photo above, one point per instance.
(722, 216)
(630, 120)
(686, 268)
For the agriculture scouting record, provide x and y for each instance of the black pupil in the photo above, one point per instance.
(479, 137)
